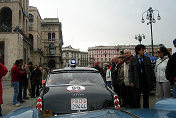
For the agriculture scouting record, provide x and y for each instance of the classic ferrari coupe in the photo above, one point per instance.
(75, 89)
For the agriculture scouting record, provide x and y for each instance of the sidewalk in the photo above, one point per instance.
(8, 96)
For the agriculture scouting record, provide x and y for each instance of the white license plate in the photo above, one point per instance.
(78, 103)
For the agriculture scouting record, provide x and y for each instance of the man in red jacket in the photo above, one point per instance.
(16, 75)
(3, 72)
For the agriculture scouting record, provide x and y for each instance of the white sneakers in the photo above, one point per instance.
(17, 104)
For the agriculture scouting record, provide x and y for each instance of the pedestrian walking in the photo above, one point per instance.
(16, 75)
(141, 77)
(171, 70)
(162, 84)
(3, 72)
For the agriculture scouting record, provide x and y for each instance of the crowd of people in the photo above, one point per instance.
(26, 78)
(133, 76)
(129, 76)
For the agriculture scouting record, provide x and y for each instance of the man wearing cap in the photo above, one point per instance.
(171, 70)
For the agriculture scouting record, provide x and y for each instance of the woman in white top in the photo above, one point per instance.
(108, 76)
(162, 84)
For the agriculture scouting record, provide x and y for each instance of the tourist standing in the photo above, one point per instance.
(120, 81)
(141, 77)
(162, 84)
(16, 75)
(114, 72)
(108, 76)
(128, 90)
(36, 81)
(3, 72)
(171, 70)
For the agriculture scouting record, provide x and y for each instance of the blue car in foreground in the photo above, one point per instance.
(166, 104)
(26, 112)
(29, 112)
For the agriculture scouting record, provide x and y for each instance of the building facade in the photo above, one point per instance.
(104, 54)
(22, 35)
(52, 42)
(14, 43)
(69, 53)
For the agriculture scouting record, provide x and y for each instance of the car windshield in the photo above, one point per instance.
(74, 78)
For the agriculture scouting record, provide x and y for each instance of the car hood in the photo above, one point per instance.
(58, 98)
(25, 112)
(166, 104)
(151, 113)
(106, 113)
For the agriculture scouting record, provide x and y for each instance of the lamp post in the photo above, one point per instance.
(151, 19)
(139, 37)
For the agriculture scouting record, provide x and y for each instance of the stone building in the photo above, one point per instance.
(101, 54)
(104, 54)
(14, 43)
(23, 35)
(52, 42)
(69, 53)
(35, 36)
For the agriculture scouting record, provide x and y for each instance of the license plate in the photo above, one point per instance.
(78, 103)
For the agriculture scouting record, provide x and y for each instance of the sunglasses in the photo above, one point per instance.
(159, 51)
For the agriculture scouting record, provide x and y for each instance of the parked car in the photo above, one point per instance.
(75, 89)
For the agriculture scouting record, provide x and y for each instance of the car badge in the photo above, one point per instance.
(76, 88)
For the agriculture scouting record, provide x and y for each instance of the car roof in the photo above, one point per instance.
(75, 69)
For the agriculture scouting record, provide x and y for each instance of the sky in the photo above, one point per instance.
(89, 23)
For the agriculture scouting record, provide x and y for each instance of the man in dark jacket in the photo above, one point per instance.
(114, 73)
(141, 77)
(21, 85)
(171, 70)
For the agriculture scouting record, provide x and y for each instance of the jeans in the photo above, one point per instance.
(0, 111)
(16, 91)
(174, 91)
(19, 98)
(108, 83)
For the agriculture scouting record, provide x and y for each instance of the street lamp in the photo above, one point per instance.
(139, 37)
(151, 19)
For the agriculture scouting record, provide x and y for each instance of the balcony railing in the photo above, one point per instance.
(5, 28)
(30, 42)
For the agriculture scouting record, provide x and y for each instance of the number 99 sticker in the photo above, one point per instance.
(76, 88)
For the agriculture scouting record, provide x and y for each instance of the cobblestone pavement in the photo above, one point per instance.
(8, 96)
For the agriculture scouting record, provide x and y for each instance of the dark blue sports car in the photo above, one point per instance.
(72, 90)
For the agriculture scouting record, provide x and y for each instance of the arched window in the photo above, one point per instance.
(49, 36)
(5, 19)
(52, 49)
(53, 36)
(31, 18)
